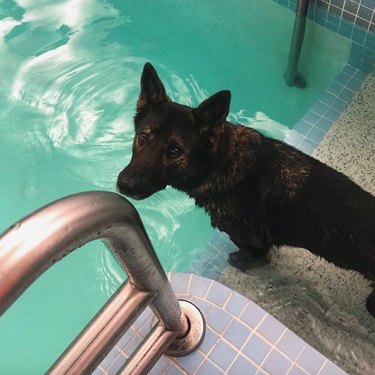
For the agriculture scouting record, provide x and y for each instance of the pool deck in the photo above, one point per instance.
(241, 338)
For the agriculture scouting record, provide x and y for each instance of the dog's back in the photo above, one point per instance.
(330, 215)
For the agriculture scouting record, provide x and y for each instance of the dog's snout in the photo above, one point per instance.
(127, 182)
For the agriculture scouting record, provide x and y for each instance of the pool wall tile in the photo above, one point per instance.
(271, 329)
(291, 345)
(256, 349)
(237, 333)
(219, 319)
(311, 360)
(250, 343)
(253, 315)
(330, 368)
(327, 109)
(353, 19)
(277, 363)
(174, 370)
(218, 295)
(223, 355)
(242, 366)
(197, 288)
(236, 303)
(295, 370)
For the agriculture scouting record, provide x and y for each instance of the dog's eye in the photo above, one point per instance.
(174, 151)
(142, 138)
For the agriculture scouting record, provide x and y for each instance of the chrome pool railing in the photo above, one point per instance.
(292, 77)
(34, 244)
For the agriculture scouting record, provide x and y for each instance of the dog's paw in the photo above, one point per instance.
(244, 261)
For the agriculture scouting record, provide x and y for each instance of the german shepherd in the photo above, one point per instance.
(260, 191)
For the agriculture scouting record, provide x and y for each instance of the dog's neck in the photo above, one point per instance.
(236, 156)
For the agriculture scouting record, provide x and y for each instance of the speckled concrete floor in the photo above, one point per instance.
(322, 303)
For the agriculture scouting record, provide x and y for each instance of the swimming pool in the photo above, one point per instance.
(69, 83)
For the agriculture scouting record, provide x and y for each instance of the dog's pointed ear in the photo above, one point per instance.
(152, 89)
(214, 110)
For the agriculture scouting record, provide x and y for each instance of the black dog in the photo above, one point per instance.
(260, 191)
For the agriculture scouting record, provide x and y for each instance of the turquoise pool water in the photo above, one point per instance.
(69, 80)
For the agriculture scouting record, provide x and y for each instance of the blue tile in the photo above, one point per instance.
(342, 78)
(354, 84)
(180, 282)
(327, 98)
(253, 314)
(236, 303)
(199, 286)
(190, 362)
(302, 127)
(312, 117)
(339, 105)
(316, 134)
(202, 304)
(360, 75)
(133, 344)
(359, 35)
(174, 370)
(319, 108)
(209, 340)
(276, 363)
(218, 319)
(125, 339)
(349, 69)
(237, 333)
(98, 371)
(218, 294)
(331, 369)
(209, 369)
(295, 370)
(271, 329)
(331, 115)
(324, 124)
(145, 316)
(307, 146)
(369, 3)
(110, 358)
(311, 360)
(222, 355)
(335, 88)
(242, 366)
(293, 138)
(333, 26)
(355, 60)
(346, 95)
(256, 349)
(291, 344)
(160, 366)
(116, 365)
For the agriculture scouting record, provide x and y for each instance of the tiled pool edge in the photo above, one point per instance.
(241, 338)
(314, 125)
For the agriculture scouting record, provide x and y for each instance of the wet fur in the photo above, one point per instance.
(260, 191)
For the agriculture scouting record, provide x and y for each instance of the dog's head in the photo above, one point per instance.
(174, 144)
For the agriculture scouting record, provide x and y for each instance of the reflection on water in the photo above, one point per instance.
(69, 81)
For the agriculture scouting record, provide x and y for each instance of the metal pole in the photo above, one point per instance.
(31, 246)
(292, 77)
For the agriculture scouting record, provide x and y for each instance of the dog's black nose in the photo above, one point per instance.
(126, 185)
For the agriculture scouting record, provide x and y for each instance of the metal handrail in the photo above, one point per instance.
(30, 247)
